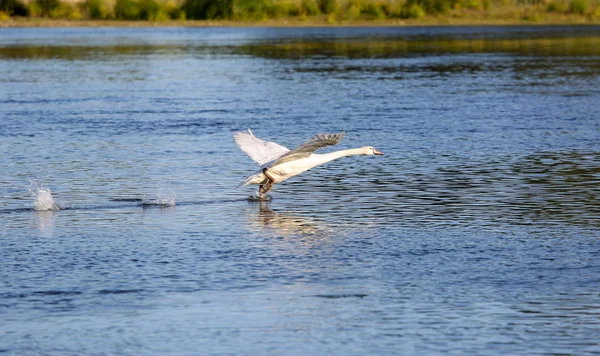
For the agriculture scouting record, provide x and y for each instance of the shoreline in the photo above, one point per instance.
(291, 22)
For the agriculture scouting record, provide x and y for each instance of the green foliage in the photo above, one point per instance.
(471, 4)
(413, 11)
(47, 6)
(244, 9)
(150, 10)
(328, 6)
(368, 9)
(432, 7)
(34, 9)
(249, 9)
(309, 7)
(14, 8)
(65, 10)
(375, 10)
(283, 8)
(353, 10)
(553, 7)
(394, 9)
(127, 10)
(578, 7)
(333, 10)
(208, 9)
(173, 11)
(97, 9)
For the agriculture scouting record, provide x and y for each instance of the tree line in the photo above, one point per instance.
(332, 10)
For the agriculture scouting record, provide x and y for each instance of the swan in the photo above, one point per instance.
(278, 163)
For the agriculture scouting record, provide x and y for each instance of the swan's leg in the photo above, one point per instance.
(270, 182)
(263, 189)
(268, 175)
(267, 186)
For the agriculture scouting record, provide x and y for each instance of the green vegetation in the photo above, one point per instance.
(331, 11)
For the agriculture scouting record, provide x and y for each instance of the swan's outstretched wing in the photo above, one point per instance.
(260, 151)
(310, 146)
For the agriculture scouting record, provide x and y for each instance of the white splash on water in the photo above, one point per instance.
(44, 201)
(165, 197)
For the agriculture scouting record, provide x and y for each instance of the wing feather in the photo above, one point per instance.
(306, 149)
(259, 150)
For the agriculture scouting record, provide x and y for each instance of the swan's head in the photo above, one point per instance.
(370, 151)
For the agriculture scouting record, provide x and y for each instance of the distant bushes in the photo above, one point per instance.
(433, 6)
(578, 7)
(149, 10)
(98, 9)
(208, 9)
(152, 10)
(332, 10)
(14, 8)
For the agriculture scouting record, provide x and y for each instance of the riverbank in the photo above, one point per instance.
(551, 19)
(303, 13)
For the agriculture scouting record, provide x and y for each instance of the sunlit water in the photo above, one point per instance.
(476, 233)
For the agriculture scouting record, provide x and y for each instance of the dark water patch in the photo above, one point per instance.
(157, 204)
(214, 201)
(121, 291)
(15, 211)
(13, 295)
(56, 292)
(547, 75)
(409, 48)
(340, 296)
(107, 53)
(45, 101)
(127, 200)
(44, 293)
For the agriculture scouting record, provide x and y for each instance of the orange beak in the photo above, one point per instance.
(378, 153)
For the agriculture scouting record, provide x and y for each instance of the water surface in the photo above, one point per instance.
(476, 233)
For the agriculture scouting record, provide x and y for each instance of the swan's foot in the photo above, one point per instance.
(264, 188)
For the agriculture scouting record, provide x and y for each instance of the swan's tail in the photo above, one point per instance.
(243, 183)
(255, 178)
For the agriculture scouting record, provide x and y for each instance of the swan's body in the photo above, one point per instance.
(279, 163)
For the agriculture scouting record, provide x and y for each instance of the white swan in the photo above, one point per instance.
(278, 163)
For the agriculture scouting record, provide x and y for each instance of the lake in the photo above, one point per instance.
(123, 233)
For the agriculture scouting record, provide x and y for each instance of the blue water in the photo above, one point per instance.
(478, 232)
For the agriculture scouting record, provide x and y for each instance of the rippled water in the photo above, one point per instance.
(476, 233)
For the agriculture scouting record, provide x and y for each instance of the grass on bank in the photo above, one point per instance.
(331, 11)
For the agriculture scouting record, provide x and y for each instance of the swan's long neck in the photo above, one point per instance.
(328, 157)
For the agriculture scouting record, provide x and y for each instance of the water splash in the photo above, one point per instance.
(256, 198)
(165, 197)
(44, 201)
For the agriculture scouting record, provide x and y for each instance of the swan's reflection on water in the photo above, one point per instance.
(287, 224)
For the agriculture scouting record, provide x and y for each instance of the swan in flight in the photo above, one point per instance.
(278, 163)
